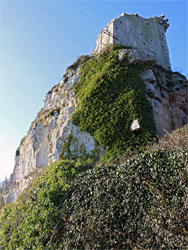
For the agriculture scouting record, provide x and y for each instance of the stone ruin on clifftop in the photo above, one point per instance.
(145, 44)
(138, 33)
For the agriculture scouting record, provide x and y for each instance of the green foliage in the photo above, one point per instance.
(80, 60)
(111, 95)
(71, 151)
(134, 202)
(139, 204)
(33, 220)
(51, 112)
(66, 151)
(17, 151)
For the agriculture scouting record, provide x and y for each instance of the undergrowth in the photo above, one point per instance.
(139, 202)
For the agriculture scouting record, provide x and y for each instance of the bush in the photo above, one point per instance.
(139, 204)
(31, 221)
(17, 151)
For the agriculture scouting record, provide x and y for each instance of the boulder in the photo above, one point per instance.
(136, 56)
(135, 126)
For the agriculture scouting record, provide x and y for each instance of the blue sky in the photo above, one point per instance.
(39, 39)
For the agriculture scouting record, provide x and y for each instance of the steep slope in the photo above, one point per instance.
(115, 89)
(48, 133)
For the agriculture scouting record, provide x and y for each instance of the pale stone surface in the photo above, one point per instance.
(105, 38)
(168, 94)
(122, 54)
(135, 126)
(148, 76)
(10, 198)
(166, 91)
(136, 56)
(46, 136)
(133, 31)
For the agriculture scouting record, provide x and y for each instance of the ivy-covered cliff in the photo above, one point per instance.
(99, 186)
(116, 100)
(110, 97)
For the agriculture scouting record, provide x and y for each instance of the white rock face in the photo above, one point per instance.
(47, 134)
(136, 56)
(167, 91)
(168, 94)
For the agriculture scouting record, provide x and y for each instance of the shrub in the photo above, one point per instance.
(139, 204)
(31, 221)
(17, 151)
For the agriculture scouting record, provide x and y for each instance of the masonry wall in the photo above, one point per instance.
(139, 33)
(104, 38)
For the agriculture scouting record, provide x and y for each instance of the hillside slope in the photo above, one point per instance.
(134, 202)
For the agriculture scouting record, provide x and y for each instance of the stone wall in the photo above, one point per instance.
(137, 32)
(105, 38)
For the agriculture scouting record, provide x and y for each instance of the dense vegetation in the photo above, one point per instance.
(133, 201)
(110, 96)
(136, 202)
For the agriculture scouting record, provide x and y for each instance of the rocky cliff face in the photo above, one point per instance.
(168, 94)
(47, 135)
(167, 91)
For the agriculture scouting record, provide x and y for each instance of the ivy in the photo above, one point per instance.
(66, 151)
(17, 151)
(135, 202)
(71, 151)
(110, 96)
(138, 204)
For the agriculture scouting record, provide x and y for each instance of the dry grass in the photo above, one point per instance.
(176, 140)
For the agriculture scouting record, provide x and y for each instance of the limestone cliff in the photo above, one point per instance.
(167, 92)
(48, 132)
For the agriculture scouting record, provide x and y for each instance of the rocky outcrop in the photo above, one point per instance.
(48, 133)
(136, 56)
(168, 94)
(167, 91)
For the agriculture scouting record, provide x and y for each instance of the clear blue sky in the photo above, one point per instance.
(39, 39)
